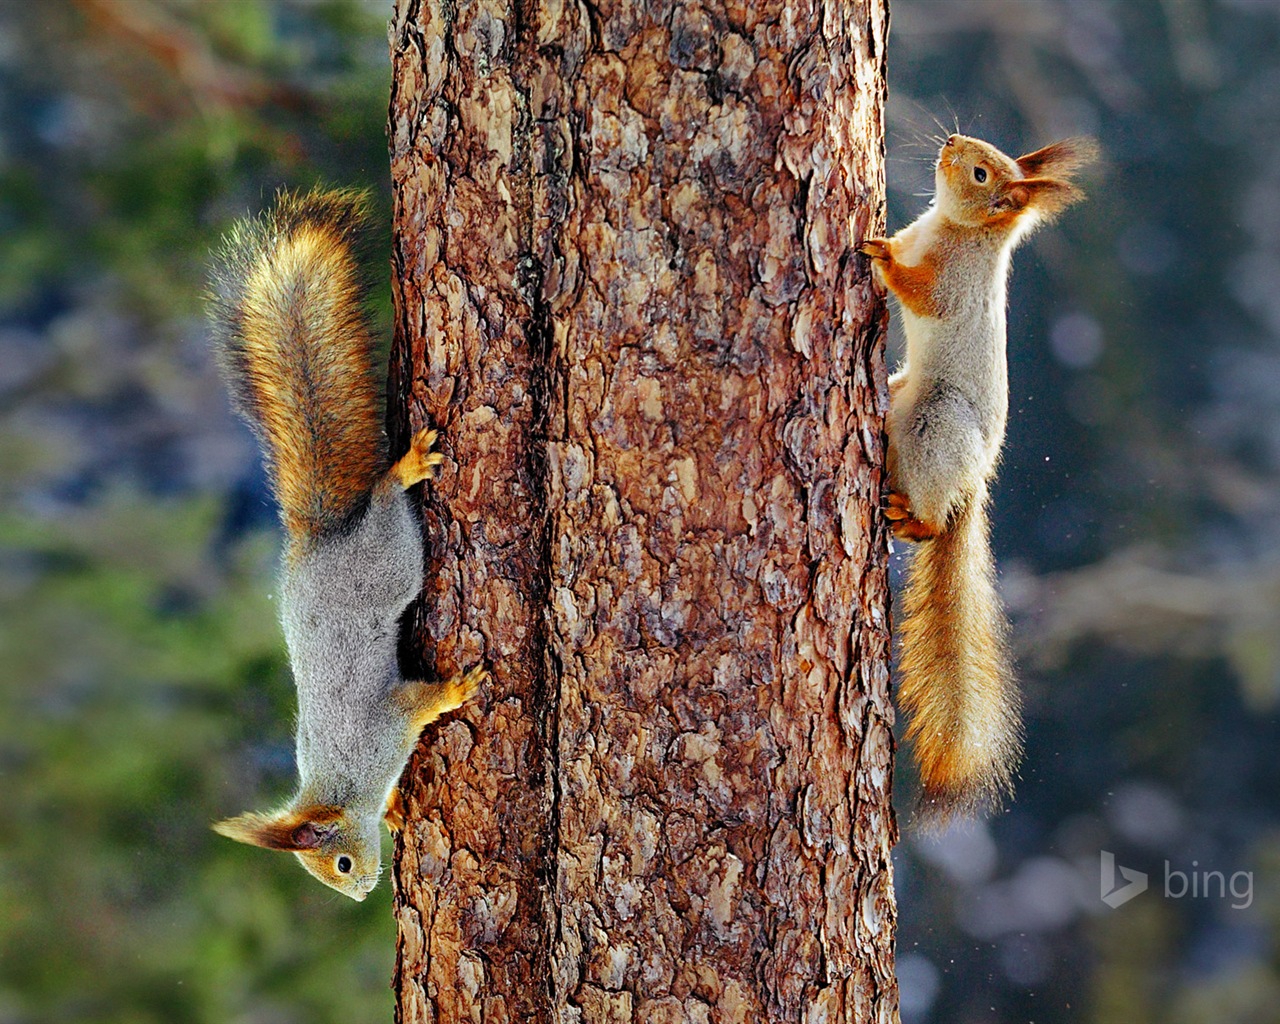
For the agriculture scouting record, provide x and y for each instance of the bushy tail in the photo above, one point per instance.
(294, 346)
(957, 683)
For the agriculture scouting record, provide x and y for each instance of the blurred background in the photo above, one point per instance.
(143, 689)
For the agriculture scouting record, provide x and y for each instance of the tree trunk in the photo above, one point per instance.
(626, 291)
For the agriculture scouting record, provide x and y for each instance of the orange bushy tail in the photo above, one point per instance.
(957, 683)
(295, 349)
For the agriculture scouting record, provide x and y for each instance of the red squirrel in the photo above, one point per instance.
(296, 355)
(948, 406)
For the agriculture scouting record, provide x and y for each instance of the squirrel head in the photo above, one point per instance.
(336, 847)
(978, 185)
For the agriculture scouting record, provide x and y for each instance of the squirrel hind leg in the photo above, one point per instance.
(419, 462)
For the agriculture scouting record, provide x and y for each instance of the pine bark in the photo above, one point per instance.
(626, 291)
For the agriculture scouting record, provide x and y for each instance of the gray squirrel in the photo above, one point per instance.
(295, 351)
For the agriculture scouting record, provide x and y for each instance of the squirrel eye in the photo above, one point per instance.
(979, 174)
(344, 865)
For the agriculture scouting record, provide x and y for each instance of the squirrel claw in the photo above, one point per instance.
(896, 506)
(423, 441)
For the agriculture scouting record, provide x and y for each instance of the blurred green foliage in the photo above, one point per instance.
(144, 689)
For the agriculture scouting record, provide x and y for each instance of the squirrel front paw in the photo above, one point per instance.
(876, 248)
(464, 688)
(425, 702)
(394, 815)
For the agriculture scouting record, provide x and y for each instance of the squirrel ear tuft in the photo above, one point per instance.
(1060, 158)
(284, 830)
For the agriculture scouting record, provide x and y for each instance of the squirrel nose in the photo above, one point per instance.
(951, 140)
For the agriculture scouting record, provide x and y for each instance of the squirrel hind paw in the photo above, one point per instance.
(424, 440)
(905, 526)
(419, 462)
(914, 530)
(896, 506)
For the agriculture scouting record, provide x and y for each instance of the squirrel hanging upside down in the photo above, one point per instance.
(295, 351)
(948, 405)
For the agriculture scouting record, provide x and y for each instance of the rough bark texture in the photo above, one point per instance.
(626, 291)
